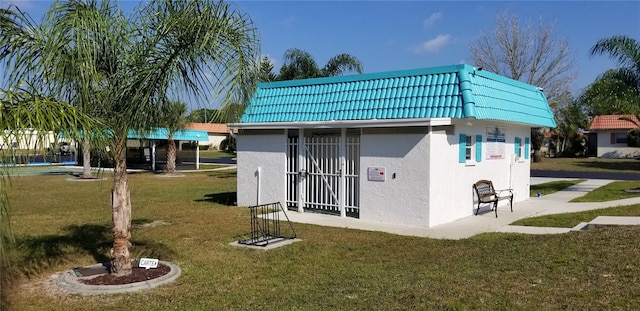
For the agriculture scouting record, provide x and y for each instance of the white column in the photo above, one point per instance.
(153, 155)
(302, 166)
(342, 195)
(197, 155)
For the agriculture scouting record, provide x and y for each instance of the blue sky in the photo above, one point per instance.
(395, 35)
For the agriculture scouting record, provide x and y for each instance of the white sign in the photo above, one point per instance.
(148, 263)
(376, 173)
(495, 142)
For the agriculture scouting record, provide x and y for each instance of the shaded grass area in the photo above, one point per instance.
(570, 220)
(211, 166)
(216, 154)
(552, 187)
(588, 164)
(612, 191)
(332, 268)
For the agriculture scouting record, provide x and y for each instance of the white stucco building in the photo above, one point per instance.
(611, 136)
(398, 147)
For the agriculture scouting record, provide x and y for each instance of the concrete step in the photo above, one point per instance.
(614, 221)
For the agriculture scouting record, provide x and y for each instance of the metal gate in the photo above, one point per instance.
(316, 178)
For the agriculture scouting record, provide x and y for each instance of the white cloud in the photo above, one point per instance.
(433, 45)
(432, 19)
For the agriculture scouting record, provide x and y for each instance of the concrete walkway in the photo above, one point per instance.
(486, 221)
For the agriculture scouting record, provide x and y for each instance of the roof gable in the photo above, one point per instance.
(613, 122)
(458, 91)
(217, 128)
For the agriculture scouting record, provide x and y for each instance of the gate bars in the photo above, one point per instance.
(315, 183)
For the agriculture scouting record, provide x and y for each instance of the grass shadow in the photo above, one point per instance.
(223, 174)
(224, 198)
(611, 165)
(40, 252)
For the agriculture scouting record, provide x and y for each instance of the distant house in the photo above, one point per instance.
(611, 136)
(216, 133)
(395, 147)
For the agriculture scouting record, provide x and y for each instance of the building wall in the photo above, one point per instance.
(452, 195)
(606, 149)
(214, 140)
(265, 153)
(27, 140)
(404, 195)
(424, 184)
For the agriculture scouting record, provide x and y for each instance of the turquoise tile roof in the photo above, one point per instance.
(163, 134)
(458, 91)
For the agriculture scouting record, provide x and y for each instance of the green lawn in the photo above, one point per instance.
(552, 187)
(588, 164)
(570, 220)
(60, 225)
(610, 192)
(216, 154)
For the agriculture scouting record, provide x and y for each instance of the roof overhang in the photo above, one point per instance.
(342, 124)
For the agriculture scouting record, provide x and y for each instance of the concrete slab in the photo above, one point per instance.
(533, 230)
(581, 227)
(614, 221)
(555, 203)
(270, 246)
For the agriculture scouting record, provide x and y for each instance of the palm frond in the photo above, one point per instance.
(340, 64)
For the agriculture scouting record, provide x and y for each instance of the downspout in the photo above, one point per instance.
(258, 173)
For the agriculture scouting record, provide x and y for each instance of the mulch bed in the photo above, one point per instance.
(137, 275)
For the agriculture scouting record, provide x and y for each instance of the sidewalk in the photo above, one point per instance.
(555, 203)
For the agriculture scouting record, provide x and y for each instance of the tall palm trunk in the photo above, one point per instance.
(171, 155)
(121, 209)
(86, 158)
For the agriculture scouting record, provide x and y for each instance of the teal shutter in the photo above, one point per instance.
(516, 146)
(526, 147)
(462, 156)
(478, 148)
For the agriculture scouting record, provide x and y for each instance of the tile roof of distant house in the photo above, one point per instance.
(458, 91)
(163, 134)
(209, 127)
(613, 122)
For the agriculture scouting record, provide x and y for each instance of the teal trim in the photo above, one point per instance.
(457, 92)
(462, 143)
(516, 146)
(526, 147)
(478, 148)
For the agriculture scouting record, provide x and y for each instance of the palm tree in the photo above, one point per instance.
(76, 72)
(174, 119)
(299, 64)
(626, 51)
(167, 48)
(22, 108)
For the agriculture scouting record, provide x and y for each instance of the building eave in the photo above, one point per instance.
(343, 124)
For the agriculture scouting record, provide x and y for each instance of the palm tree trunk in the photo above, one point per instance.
(171, 156)
(86, 158)
(121, 209)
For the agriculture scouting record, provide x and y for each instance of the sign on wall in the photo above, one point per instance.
(496, 138)
(376, 173)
